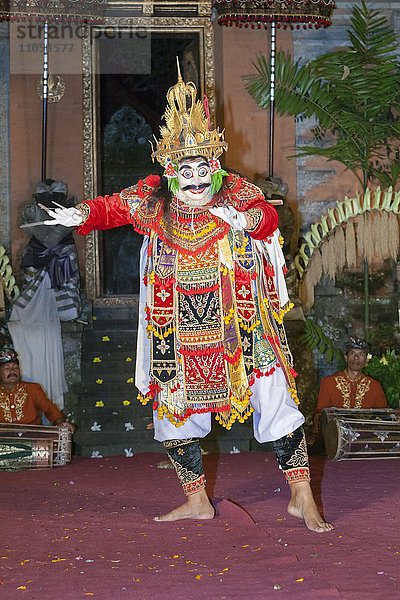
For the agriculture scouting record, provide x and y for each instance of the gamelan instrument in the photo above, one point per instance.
(357, 433)
(34, 446)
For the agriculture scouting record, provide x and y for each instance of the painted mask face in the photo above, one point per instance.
(194, 178)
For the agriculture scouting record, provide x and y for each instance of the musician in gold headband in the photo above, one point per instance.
(213, 297)
(23, 403)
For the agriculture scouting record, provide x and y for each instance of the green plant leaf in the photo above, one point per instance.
(353, 94)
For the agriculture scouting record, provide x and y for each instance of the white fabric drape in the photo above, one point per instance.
(36, 334)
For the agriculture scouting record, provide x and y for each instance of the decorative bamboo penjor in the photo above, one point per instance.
(8, 286)
(364, 226)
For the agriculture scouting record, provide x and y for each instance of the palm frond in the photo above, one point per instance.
(352, 93)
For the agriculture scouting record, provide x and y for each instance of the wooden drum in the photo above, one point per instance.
(360, 433)
(34, 446)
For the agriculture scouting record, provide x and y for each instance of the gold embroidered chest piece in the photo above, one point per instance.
(13, 402)
(343, 384)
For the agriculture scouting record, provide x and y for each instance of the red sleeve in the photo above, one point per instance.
(268, 223)
(44, 405)
(106, 212)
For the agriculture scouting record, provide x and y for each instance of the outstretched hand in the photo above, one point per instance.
(69, 217)
(229, 214)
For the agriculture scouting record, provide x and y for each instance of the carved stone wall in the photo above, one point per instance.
(5, 235)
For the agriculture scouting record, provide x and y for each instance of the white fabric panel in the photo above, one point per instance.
(142, 372)
(36, 334)
(274, 251)
(197, 426)
(275, 414)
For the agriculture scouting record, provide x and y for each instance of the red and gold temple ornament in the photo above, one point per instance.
(292, 14)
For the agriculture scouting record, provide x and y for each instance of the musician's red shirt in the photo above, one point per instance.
(339, 391)
(24, 404)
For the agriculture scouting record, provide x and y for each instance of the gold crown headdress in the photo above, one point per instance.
(187, 131)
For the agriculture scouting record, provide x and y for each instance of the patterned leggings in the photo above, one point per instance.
(292, 456)
(290, 451)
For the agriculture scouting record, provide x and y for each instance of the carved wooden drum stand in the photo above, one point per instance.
(34, 446)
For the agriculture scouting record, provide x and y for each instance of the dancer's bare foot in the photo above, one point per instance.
(302, 505)
(197, 506)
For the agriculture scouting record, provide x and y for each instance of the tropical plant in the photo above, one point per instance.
(8, 288)
(386, 369)
(352, 93)
(315, 339)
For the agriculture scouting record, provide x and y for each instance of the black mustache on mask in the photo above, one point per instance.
(203, 186)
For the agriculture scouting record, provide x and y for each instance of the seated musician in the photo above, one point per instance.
(22, 403)
(350, 388)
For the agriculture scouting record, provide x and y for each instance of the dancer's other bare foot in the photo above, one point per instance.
(302, 505)
(197, 506)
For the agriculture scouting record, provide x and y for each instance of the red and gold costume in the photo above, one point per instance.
(339, 391)
(212, 299)
(24, 403)
(214, 317)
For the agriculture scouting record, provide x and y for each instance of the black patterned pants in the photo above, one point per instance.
(292, 456)
(290, 450)
(185, 455)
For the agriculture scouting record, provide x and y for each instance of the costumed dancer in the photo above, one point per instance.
(213, 296)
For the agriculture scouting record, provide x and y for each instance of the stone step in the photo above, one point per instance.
(91, 408)
(112, 338)
(114, 442)
(257, 447)
(114, 324)
(208, 445)
(95, 404)
(225, 446)
(119, 389)
(116, 313)
(108, 354)
(117, 424)
(117, 449)
(100, 438)
(109, 372)
(113, 346)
